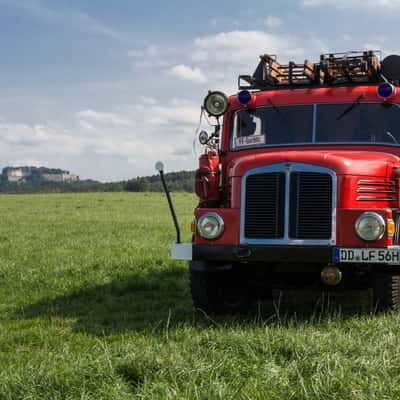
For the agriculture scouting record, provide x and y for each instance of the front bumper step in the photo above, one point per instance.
(182, 251)
(255, 253)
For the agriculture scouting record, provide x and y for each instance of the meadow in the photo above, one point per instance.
(91, 307)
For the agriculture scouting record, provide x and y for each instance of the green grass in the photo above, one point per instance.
(91, 307)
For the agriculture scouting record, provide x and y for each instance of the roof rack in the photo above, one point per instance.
(333, 69)
(351, 67)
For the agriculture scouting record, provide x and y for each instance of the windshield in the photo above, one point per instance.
(322, 123)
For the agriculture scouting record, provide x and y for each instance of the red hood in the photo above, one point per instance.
(343, 162)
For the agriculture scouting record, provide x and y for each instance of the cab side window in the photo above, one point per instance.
(247, 123)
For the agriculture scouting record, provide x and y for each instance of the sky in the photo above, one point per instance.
(105, 89)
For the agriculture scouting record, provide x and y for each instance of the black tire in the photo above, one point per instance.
(386, 291)
(220, 291)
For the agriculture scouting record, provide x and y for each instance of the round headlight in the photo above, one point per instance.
(216, 103)
(210, 226)
(370, 226)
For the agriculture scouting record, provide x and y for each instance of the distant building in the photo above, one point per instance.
(64, 177)
(17, 174)
(21, 174)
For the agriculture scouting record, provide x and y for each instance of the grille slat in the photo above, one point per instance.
(310, 206)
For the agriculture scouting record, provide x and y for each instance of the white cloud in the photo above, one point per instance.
(219, 58)
(154, 132)
(243, 47)
(40, 145)
(105, 118)
(131, 137)
(224, 56)
(272, 22)
(191, 74)
(153, 56)
(361, 4)
(148, 100)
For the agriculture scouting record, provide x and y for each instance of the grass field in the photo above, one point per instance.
(91, 307)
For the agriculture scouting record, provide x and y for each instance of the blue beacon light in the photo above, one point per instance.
(385, 90)
(244, 97)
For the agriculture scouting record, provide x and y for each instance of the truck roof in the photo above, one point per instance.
(314, 95)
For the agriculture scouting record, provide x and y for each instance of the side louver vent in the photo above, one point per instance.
(376, 190)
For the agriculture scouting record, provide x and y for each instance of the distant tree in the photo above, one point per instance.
(182, 181)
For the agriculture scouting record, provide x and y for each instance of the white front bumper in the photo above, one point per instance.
(181, 251)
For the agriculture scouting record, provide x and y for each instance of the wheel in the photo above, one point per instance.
(218, 291)
(386, 291)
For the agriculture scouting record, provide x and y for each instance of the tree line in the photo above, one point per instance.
(182, 181)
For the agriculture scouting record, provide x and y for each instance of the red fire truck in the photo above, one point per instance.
(299, 183)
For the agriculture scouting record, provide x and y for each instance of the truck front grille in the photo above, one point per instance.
(310, 206)
(265, 206)
(306, 198)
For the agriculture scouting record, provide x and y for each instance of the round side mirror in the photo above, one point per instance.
(203, 137)
(159, 166)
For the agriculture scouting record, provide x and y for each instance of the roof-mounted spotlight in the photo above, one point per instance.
(244, 97)
(386, 90)
(216, 104)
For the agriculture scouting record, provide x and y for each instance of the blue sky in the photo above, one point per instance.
(104, 89)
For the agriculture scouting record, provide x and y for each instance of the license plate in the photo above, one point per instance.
(382, 256)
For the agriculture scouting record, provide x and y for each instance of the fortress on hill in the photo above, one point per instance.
(23, 174)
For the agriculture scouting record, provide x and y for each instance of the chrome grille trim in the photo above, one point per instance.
(287, 169)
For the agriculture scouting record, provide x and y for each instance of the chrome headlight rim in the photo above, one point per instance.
(220, 223)
(378, 217)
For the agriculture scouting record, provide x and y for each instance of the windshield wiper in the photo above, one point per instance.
(275, 108)
(281, 116)
(352, 106)
(388, 133)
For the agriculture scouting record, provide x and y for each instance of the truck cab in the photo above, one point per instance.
(298, 184)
